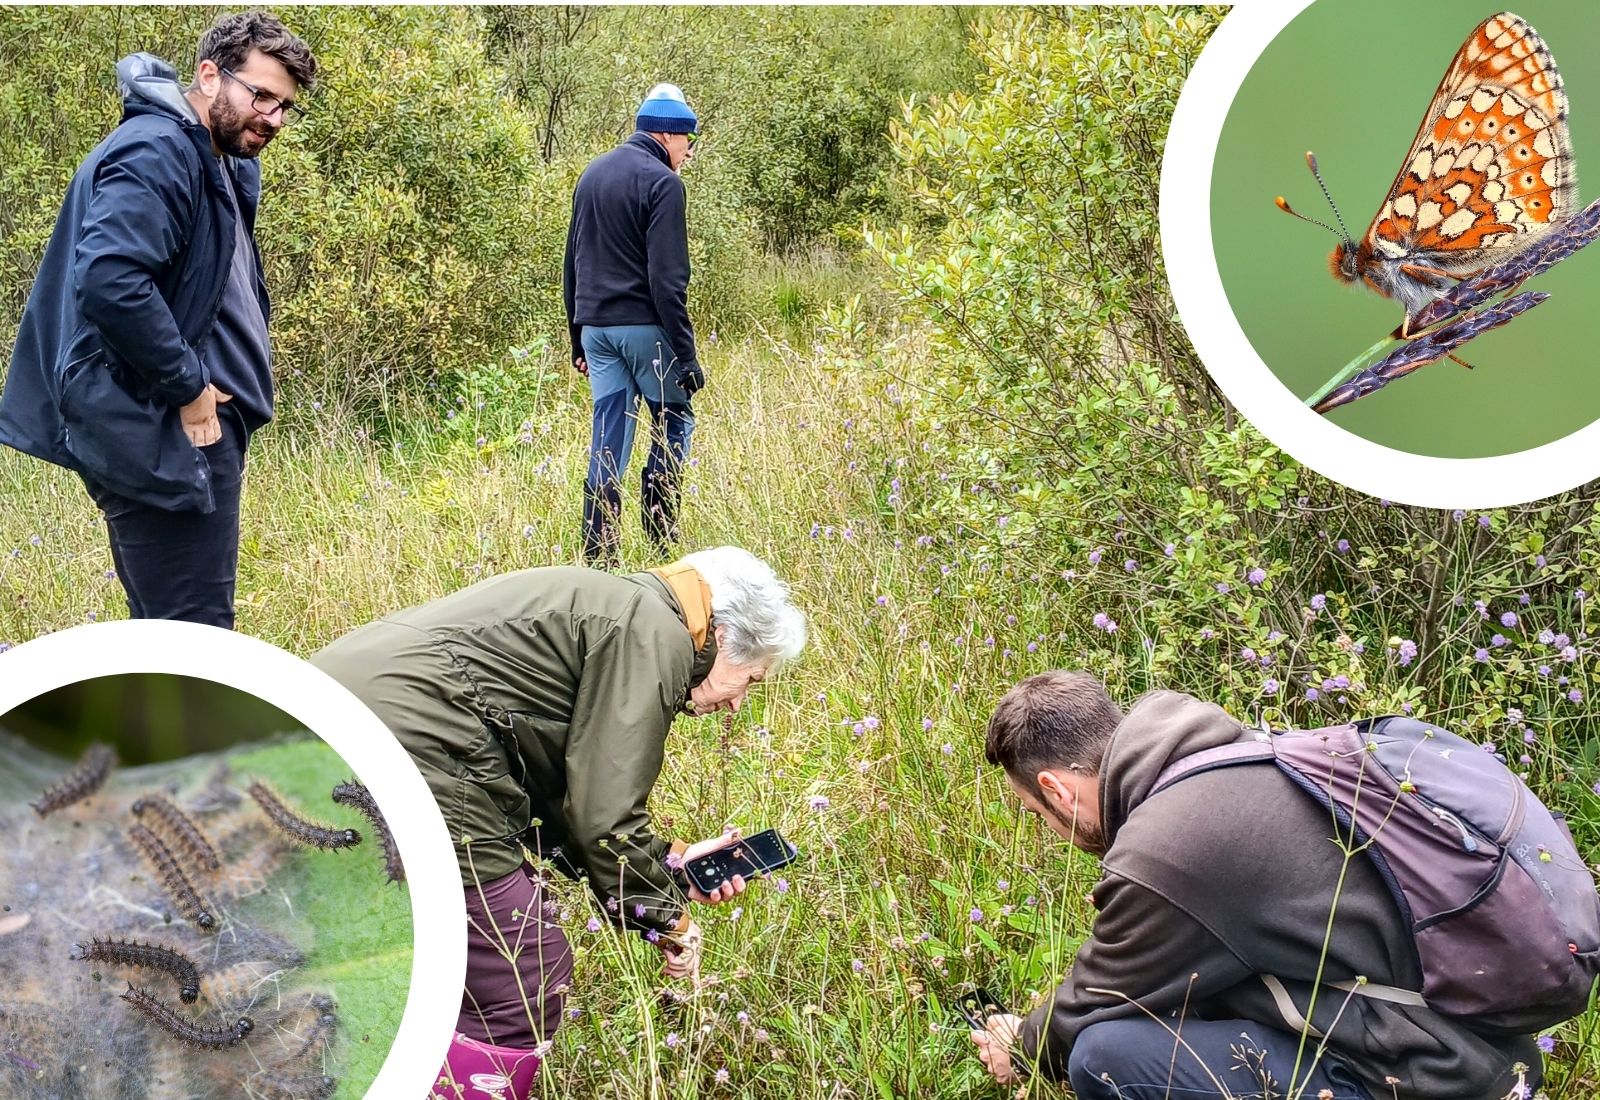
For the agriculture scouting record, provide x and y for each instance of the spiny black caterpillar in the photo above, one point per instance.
(146, 956)
(209, 1038)
(81, 782)
(177, 884)
(355, 794)
(298, 828)
(179, 828)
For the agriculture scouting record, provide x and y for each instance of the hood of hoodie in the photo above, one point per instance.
(1162, 727)
(149, 85)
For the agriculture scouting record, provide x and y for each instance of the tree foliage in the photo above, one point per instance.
(413, 226)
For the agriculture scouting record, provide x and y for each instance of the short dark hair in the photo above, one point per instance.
(1056, 719)
(231, 38)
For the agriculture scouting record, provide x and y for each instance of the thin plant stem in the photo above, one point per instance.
(1351, 369)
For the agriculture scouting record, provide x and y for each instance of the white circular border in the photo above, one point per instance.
(1249, 383)
(438, 906)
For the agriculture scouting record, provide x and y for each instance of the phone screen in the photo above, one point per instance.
(756, 855)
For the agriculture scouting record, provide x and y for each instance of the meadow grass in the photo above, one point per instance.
(919, 874)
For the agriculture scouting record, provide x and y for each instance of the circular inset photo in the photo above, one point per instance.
(198, 896)
(1430, 296)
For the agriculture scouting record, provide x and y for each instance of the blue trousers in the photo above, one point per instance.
(182, 565)
(626, 363)
(1138, 1059)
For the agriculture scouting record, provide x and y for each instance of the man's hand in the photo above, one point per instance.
(995, 1044)
(581, 365)
(691, 378)
(729, 889)
(681, 953)
(199, 416)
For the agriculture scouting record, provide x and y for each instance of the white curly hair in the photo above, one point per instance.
(751, 606)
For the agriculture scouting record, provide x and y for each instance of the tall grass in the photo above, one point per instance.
(918, 873)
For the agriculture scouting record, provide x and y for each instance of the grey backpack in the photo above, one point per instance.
(1502, 908)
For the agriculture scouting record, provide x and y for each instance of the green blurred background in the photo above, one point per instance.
(147, 717)
(1350, 79)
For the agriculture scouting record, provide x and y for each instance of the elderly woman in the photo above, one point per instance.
(537, 706)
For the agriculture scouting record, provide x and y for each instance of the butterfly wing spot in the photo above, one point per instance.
(1457, 223)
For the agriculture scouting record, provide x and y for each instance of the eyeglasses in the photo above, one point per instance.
(691, 136)
(266, 104)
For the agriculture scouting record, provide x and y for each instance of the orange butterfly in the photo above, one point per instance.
(1489, 173)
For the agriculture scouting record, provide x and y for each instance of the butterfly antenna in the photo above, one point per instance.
(1311, 161)
(1283, 204)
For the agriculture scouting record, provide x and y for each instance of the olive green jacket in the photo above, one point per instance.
(536, 705)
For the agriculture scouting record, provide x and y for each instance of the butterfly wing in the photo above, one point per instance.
(1491, 168)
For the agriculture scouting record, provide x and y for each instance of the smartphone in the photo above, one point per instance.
(751, 857)
(977, 1006)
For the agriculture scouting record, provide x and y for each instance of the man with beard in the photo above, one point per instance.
(142, 361)
(1212, 934)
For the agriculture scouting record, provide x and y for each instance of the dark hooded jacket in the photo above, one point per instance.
(127, 292)
(537, 705)
(1229, 876)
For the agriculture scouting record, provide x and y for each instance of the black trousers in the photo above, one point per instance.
(1138, 1059)
(181, 565)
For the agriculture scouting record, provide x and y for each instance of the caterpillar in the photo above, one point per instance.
(314, 1087)
(81, 782)
(319, 1034)
(179, 828)
(209, 1038)
(308, 833)
(356, 795)
(179, 888)
(147, 956)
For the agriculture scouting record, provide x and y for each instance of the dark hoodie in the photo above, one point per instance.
(1228, 876)
(126, 297)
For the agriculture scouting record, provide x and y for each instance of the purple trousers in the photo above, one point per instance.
(519, 964)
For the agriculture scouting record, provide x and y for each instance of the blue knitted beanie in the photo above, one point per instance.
(665, 111)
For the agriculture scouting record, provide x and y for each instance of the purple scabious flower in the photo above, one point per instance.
(1547, 1043)
(1269, 687)
(1318, 602)
(1481, 656)
(1224, 587)
(1256, 575)
(1312, 695)
(1407, 651)
(1508, 620)
(818, 802)
(1104, 622)
(1094, 556)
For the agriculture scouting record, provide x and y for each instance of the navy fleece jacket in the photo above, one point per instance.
(628, 247)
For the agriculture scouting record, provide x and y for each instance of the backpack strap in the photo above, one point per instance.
(1295, 1019)
(1239, 752)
